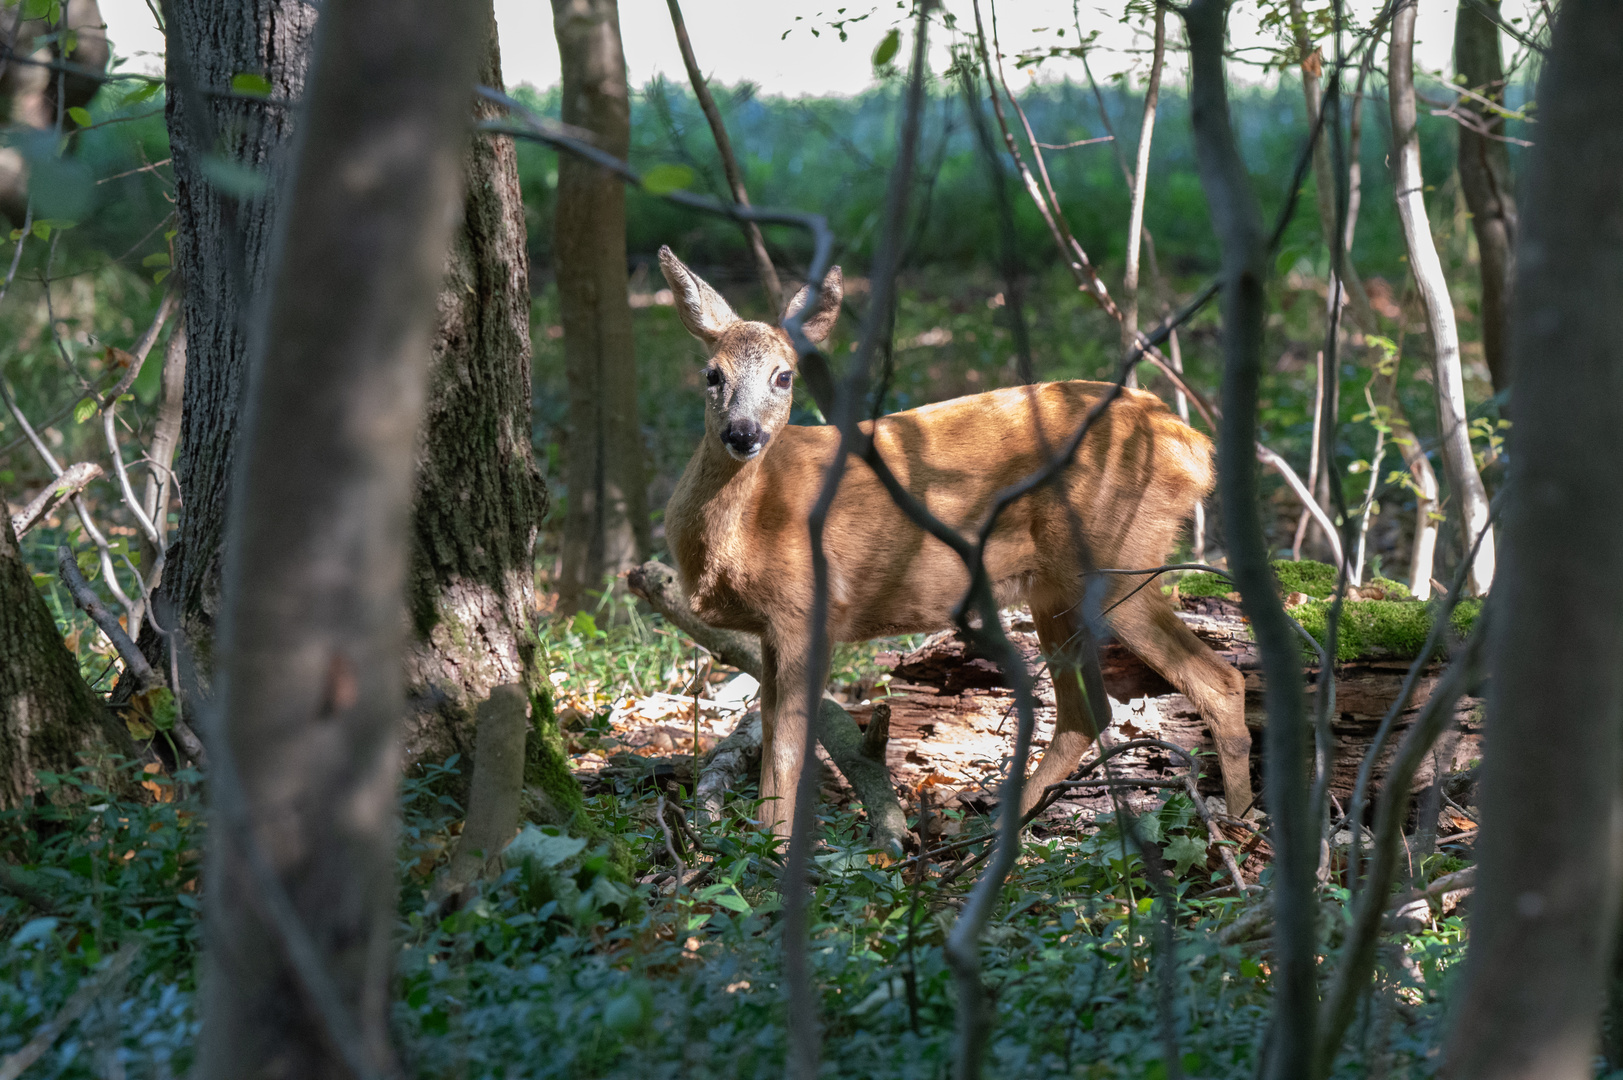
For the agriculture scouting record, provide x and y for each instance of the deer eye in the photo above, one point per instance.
(783, 380)
(712, 376)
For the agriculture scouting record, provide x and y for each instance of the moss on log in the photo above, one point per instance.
(1379, 621)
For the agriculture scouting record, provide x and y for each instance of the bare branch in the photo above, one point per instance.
(93, 987)
(73, 480)
(729, 163)
(804, 1038)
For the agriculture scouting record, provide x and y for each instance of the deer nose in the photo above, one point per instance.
(744, 436)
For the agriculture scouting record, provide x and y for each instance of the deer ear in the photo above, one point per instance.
(819, 322)
(701, 308)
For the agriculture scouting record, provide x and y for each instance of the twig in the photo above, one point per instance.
(74, 479)
(87, 600)
(1434, 637)
(804, 1038)
(96, 537)
(1140, 184)
(1309, 503)
(92, 988)
(1358, 953)
(134, 661)
(729, 163)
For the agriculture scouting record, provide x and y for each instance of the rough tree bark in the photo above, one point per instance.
(222, 252)
(606, 528)
(301, 890)
(480, 497)
(1485, 174)
(1459, 465)
(1551, 854)
(48, 716)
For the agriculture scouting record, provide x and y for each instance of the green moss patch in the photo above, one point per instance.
(1316, 579)
(1381, 628)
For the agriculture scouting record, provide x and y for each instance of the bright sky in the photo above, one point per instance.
(764, 42)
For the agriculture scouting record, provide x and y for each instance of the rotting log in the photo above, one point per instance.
(950, 711)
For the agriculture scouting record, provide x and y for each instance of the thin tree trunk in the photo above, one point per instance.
(729, 164)
(301, 895)
(480, 497)
(48, 716)
(1238, 222)
(606, 528)
(1550, 859)
(1141, 178)
(155, 500)
(1458, 463)
(1485, 174)
(1014, 290)
(222, 253)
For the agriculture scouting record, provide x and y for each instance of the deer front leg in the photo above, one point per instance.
(1068, 648)
(787, 701)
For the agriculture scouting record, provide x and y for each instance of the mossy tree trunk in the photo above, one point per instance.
(48, 716)
(480, 497)
(606, 528)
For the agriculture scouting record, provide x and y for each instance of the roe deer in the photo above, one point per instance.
(737, 527)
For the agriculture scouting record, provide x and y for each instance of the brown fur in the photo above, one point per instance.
(738, 530)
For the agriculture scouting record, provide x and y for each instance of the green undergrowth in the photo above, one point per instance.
(560, 967)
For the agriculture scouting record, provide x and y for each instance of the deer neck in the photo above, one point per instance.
(705, 515)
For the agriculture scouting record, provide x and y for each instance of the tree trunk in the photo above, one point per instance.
(222, 252)
(1485, 175)
(1293, 830)
(1551, 854)
(48, 716)
(301, 894)
(606, 528)
(480, 498)
(1140, 193)
(1459, 465)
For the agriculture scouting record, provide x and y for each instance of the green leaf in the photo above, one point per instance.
(252, 83)
(233, 177)
(586, 626)
(157, 279)
(543, 849)
(80, 116)
(662, 179)
(1184, 852)
(157, 258)
(887, 48)
(36, 9)
(84, 410)
(144, 93)
(42, 229)
(733, 902)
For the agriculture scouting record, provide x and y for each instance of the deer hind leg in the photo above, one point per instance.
(1071, 661)
(1147, 626)
(785, 696)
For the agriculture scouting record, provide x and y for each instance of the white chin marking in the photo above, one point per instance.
(736, 456)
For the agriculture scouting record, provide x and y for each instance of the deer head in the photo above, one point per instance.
(750, 375)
